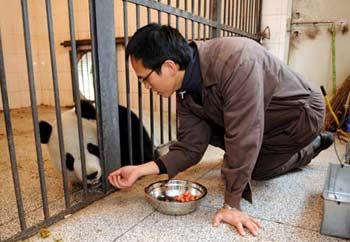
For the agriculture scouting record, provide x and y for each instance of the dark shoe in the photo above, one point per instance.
(322, 142)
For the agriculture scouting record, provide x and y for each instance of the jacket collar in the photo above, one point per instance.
(206, 61)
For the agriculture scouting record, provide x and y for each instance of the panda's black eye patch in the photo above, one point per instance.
(69, 162)
(93, 149)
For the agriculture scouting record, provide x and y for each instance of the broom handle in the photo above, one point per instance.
(334, 70)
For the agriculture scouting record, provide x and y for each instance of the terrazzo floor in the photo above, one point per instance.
(290, 207)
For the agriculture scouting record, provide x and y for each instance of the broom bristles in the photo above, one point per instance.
(338, 103)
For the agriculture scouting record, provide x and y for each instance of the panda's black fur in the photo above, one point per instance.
(88, 113)
(136, 142)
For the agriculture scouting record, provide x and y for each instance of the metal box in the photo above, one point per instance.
(336, 195)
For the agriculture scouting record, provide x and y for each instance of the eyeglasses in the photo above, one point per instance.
(142, 80)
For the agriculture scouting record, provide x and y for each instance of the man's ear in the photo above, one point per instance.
(171, 67)
(45, 131)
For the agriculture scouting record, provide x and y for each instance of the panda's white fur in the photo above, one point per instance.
(71, 145)
(49, 136)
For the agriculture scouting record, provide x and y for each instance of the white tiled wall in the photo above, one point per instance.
(275, 14)
(14, 52)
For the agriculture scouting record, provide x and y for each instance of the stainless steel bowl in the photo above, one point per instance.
(161, 195)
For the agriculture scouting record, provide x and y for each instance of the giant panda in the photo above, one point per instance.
(49, 136)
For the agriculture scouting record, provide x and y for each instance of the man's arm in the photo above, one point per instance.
(193, 134)
(244, 124)
(243, 106)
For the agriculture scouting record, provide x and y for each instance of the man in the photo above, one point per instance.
(233, 94)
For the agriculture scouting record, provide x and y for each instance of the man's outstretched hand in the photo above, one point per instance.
(237, 219)
(126, 176)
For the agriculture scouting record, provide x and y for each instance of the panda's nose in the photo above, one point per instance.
(92, 176)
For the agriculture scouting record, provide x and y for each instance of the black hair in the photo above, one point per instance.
(155, 43)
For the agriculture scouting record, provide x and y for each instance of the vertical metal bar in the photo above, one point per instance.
(246, 16)
(34, 107)
(97, 91)
(233, 13)
(186, 27)
(159, 14)
(225, 10)
(205, 16)
(229, 13)
(177, 18)
(11, 145)
(192, 23)
(256, 2)
(258, 26)
(177, 27)
(217, 17)
(236, 18)
(71, 73)
(169, 98)
(55, 83)
(255, 16)
(76, 93)
(199, 14)
(250, 16)
(150, 90)
(233, 24)
(224, 17)
(103, 36)
(139, 91)
(169, 16)
(127, 78)
(241, 14)
(160, 97)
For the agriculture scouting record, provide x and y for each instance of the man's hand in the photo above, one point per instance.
(126, 176)
(238, 219)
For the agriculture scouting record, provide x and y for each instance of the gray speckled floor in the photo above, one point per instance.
(290, 207)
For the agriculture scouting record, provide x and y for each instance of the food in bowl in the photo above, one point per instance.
(175, 197)
(186, 197)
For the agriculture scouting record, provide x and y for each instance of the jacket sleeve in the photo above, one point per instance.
(193, 138)
(243, 108)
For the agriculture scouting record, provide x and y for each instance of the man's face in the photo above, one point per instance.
(164, 83)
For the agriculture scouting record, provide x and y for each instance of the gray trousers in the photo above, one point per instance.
(288, 144)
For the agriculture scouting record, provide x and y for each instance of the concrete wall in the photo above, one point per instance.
(11, 27)
(311, 56)
(14, 51)
(275, 14)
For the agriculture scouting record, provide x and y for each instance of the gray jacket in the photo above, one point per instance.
(258, 100)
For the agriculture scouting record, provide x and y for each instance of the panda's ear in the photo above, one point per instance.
(88, 110)
(45, 131)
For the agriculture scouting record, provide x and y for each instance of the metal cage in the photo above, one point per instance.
(196, 20)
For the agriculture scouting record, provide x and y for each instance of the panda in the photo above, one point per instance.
(49, 136)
